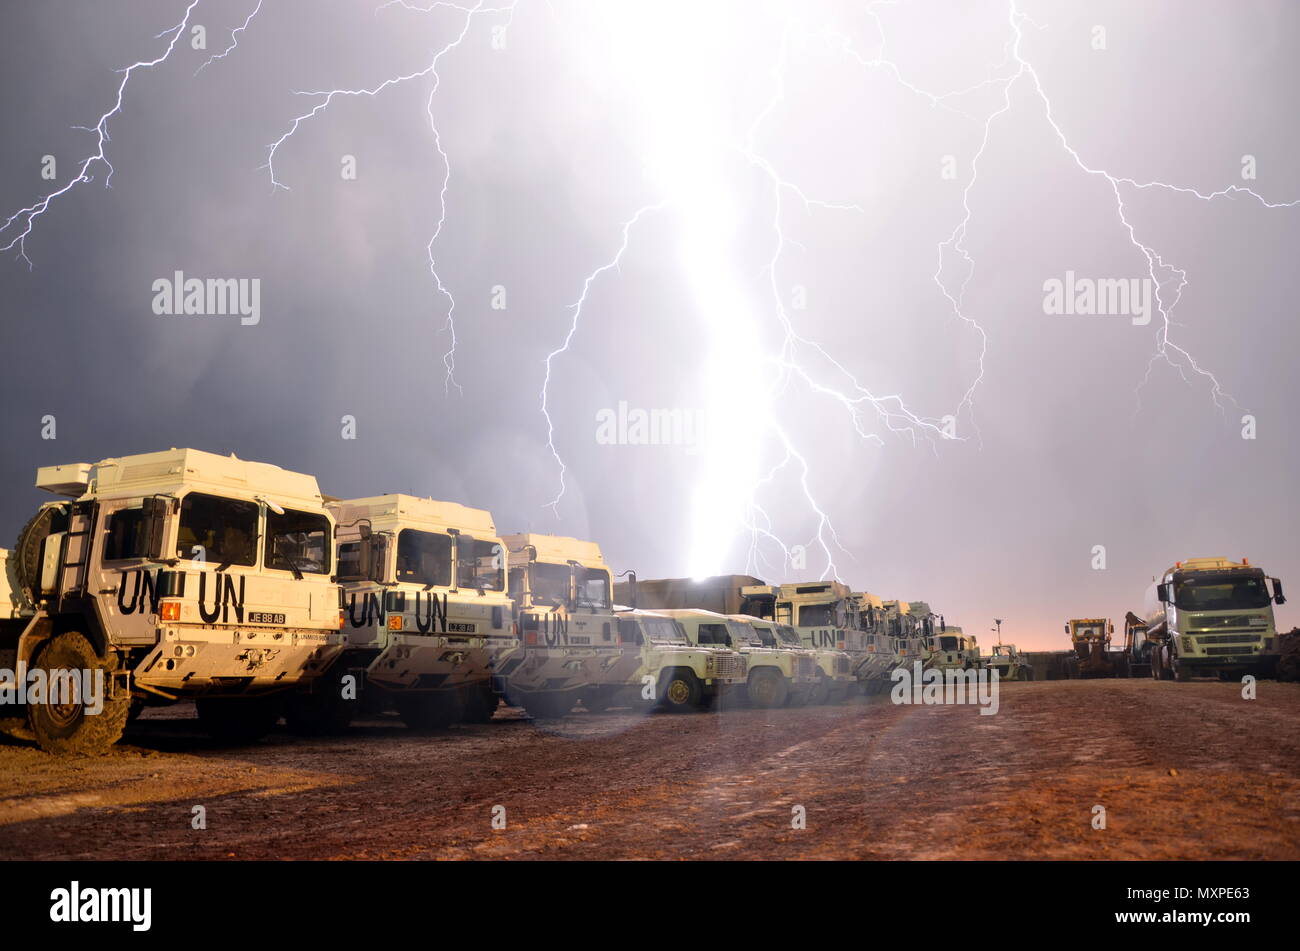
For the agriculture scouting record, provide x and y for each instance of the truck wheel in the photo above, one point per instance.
(767, 688)
(238, 719)
(1181, 673)
(550, 704)
(69, 727)
(478, 704)
(428, 711)
(323, 711)
(680, 690)
(821, 691)
(596, 701)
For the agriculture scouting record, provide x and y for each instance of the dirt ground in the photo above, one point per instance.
(1183, 771)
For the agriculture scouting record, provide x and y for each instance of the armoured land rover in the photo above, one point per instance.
(562, 592)
(834, 668)
(172, 575)
(426, 613)
(767, 671)
(1213, 617)
(806, 680)
(671, 672)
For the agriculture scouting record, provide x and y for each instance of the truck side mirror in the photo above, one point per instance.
(1278, 596)
(1162, 593)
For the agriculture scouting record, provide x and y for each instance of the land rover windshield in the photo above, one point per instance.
(1221, 591)
(662, 630)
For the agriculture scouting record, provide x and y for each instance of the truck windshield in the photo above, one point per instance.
(593, 587)
(947, 643)
(298, 540)
(550, 583)
(816, 615)
(216, 530)
(1222, 592)
(424, 558)
(479, 563)
(663, 630)
(742, 633)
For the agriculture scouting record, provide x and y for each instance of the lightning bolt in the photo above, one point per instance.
(327, 96)
(24, 220)
(234, 40)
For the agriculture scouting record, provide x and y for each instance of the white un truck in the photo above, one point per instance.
(167, 576)
(1212, 617)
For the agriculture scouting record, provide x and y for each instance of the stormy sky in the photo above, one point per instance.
(802, 172)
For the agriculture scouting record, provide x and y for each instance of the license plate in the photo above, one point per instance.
(461, 628)
(264, 617)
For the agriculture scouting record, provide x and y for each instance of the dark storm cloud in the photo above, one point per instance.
(546, 166)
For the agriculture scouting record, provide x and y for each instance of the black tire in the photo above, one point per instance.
(323, 711)
(238, 719)
(821, 691)
(478, 703)
(597, 701)
(680, 690)
(767, 688)
(68, 727)
(1026, 673)
(425, 712)
(550, 704)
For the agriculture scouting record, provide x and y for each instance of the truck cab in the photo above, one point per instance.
(426, 613)
(672, 673)
(1213, 617)
(178, 575)
(827, 615)
(563, 592)
(952, 650)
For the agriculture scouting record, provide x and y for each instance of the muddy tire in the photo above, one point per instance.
(238, 719)
(767, 688)
(323, 711)
(680, 690)
(68, 727)
(425, 712)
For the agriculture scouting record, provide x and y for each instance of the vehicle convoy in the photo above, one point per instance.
(1213, 617)
(833, 668)
(426, 614)
(671, 673)
(767, 679)
(570, 644)
(1090, 639)
(1010, 664)
(828, 615)
(171, 575)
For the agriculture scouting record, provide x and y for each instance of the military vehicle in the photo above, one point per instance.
(1010, 664)
(953, 650)
(171, 575)
(671, 673)
(1138, 646)
(1090, 639)
(834, 667)
(1213, 617)
(426, 614)
(798, 663)
(828, 615)
(768, 671)
(561, 587)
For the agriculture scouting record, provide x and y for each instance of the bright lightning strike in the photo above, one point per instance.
(24, 220)
(234, 40)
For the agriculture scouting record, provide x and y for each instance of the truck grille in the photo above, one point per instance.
(1228, 639)
(841, 665)
(729, 667)
(1215, 651)
(804, 667)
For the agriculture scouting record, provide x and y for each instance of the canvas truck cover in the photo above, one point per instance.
(719, 593)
